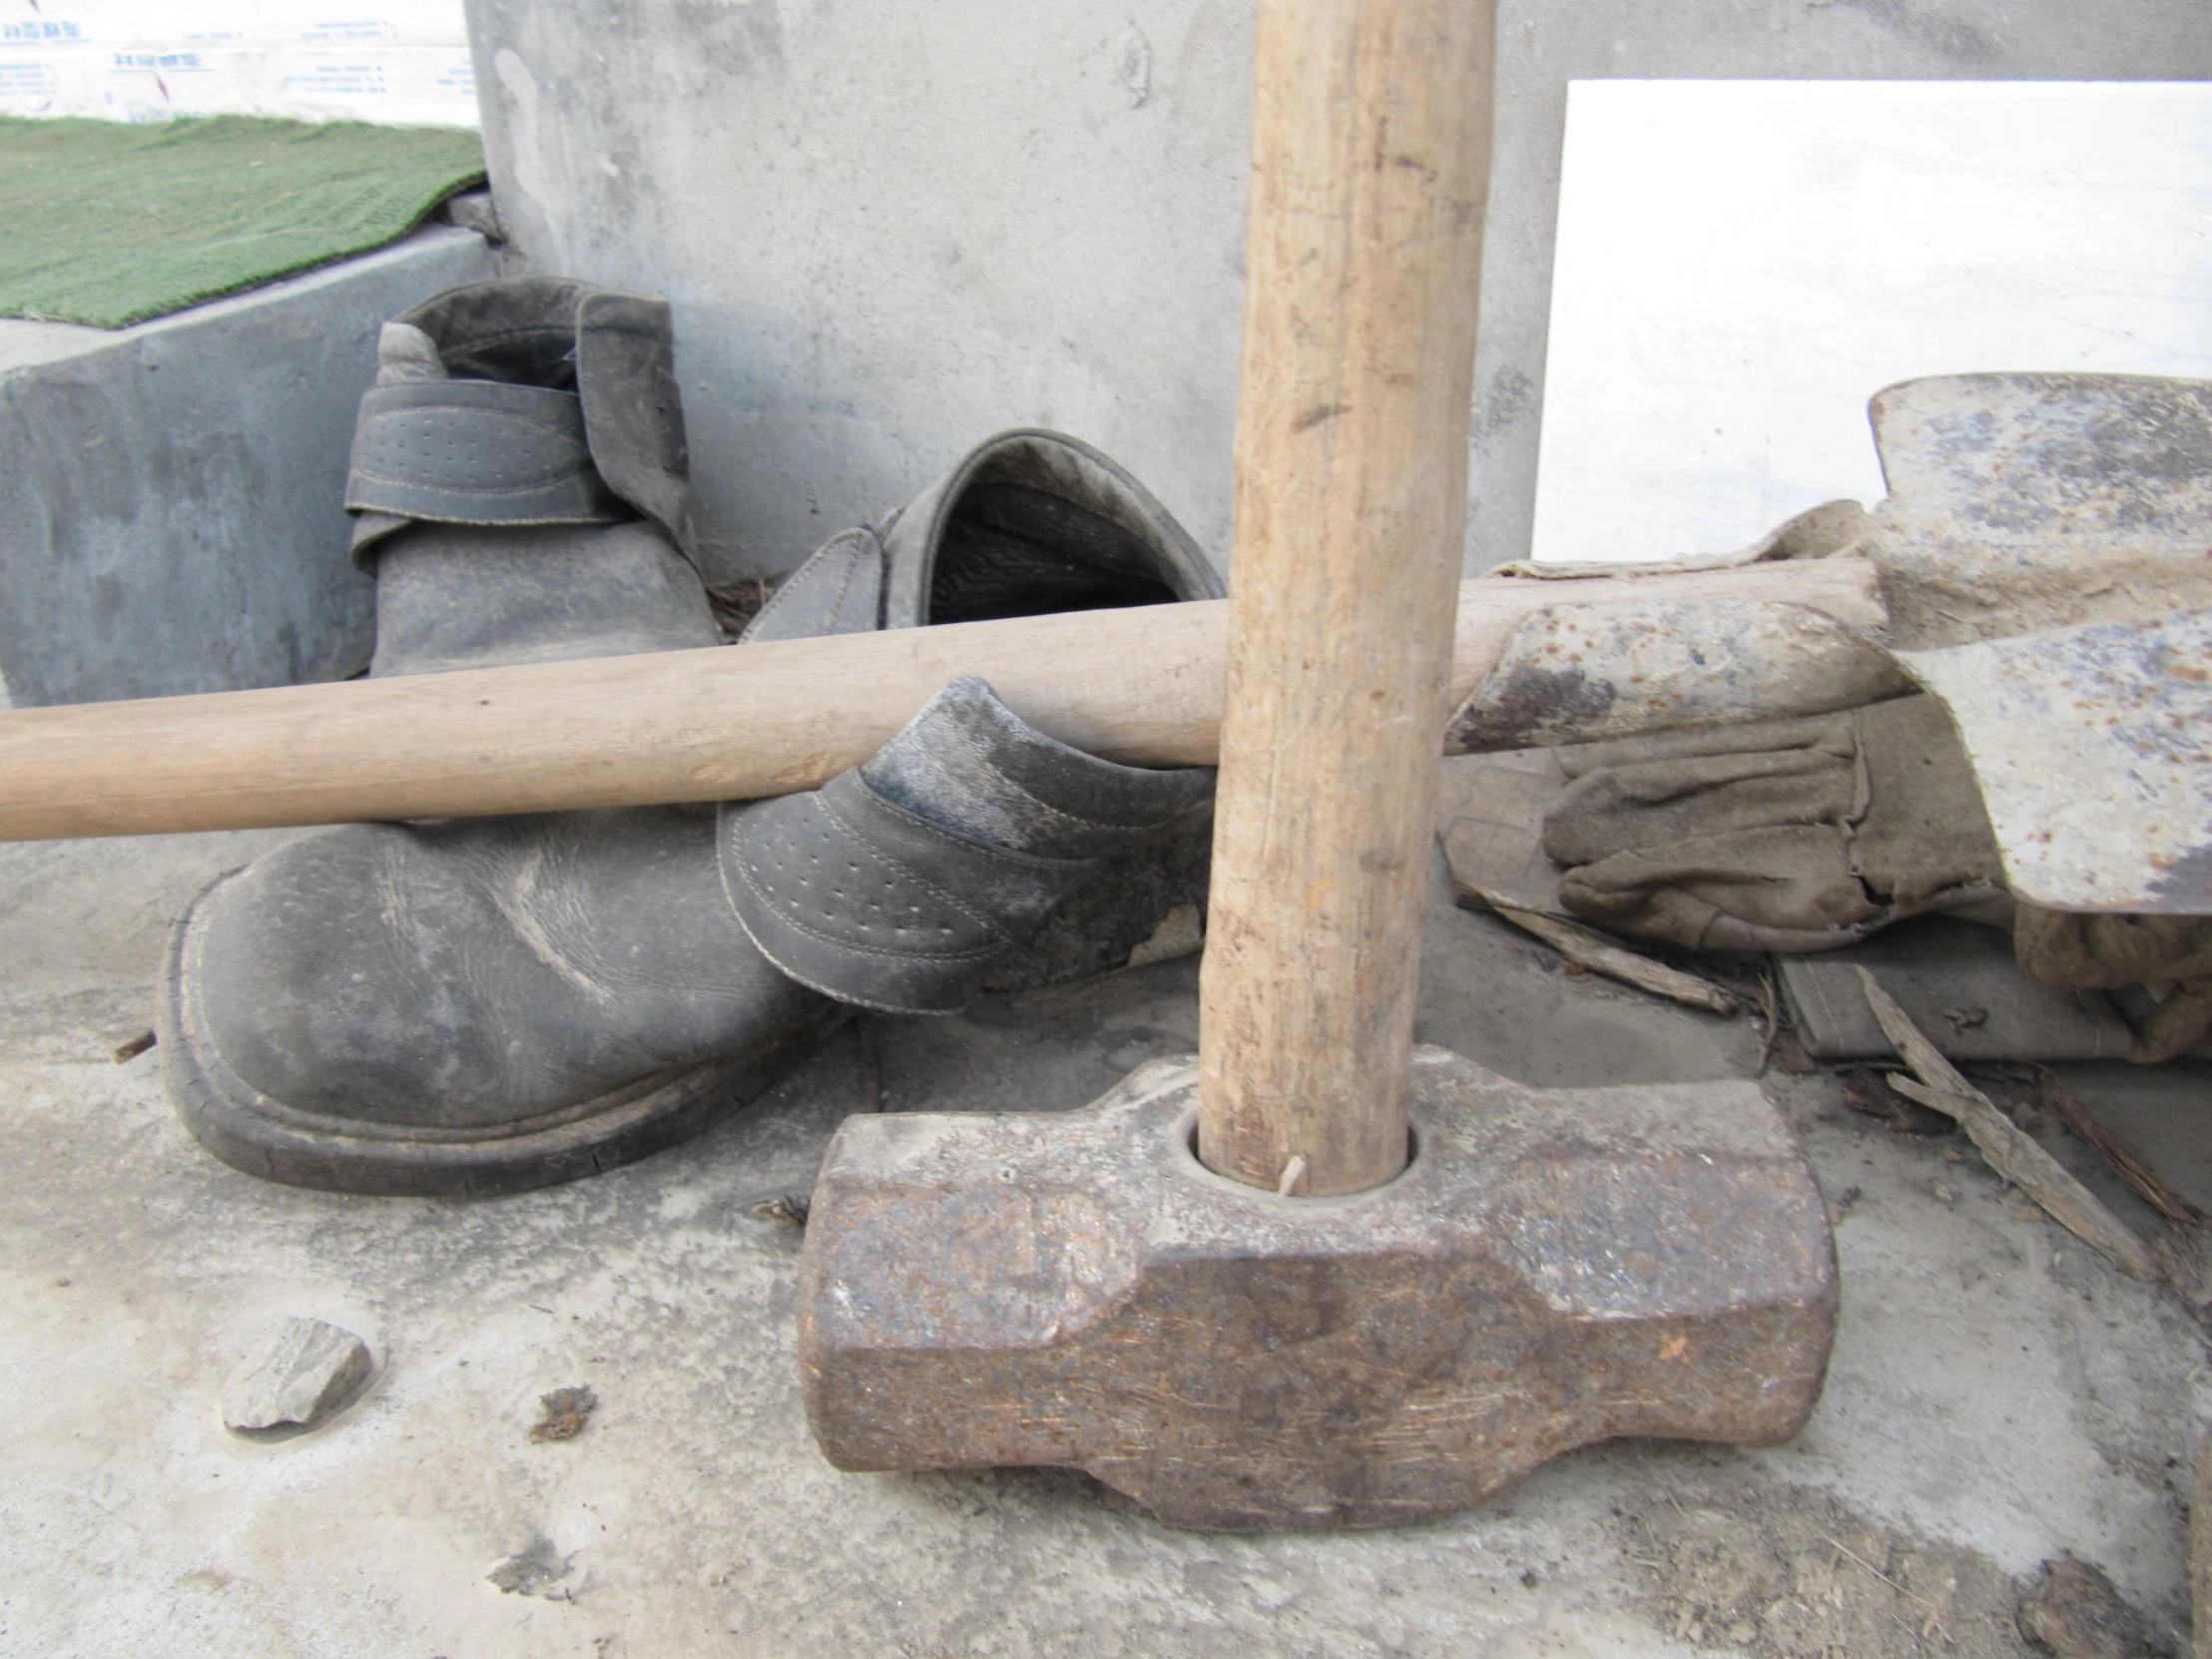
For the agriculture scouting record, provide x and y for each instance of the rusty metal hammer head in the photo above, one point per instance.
(1554, 1266)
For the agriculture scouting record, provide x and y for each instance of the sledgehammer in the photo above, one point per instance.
(1320, 1277)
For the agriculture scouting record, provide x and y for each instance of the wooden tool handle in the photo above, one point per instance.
(1141, 685)
(1370, 162)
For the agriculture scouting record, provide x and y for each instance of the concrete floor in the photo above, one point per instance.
(1998, 1395)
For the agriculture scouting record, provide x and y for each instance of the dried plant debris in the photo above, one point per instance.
(2074, 1113)
(1588, 949)
(566, 1413)
(736, 603)
(2076, 1613)
(1793, 1575)
(126, 1052)
(537, 1571)
(788, 1211)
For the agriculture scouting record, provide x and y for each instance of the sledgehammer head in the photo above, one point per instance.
(1554, 1267)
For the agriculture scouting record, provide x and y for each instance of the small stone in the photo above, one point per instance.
(302, 1373)
(2076, 1613)
(1944, 1193)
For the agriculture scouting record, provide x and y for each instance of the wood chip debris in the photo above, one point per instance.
(1587, 947)
(2074, 1113)
(2004, 1146)
(127, 1052)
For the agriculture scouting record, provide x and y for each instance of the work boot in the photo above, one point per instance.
(485, 1004)
(1027, 523)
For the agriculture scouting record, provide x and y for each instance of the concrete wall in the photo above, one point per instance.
(889, 228)
(169, 515)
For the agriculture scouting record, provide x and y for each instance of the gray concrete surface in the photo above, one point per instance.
(1997, 1393)
(169, 515)
(891, 230)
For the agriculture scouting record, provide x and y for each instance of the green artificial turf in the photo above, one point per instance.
(109, 223)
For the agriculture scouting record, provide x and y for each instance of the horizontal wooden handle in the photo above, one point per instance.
(1141, 685)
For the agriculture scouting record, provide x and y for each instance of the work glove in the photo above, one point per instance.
(1803, 835)
(1791, 834)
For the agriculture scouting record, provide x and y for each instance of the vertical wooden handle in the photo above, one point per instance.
(1370, 161)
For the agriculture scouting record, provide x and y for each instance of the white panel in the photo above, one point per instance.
(1742, 263)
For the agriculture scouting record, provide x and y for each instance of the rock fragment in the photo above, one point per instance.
(304, 1370)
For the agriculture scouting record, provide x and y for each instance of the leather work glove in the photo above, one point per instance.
(1803, 835)
(1790, 834)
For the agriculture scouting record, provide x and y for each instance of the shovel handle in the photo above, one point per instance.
(1142, 686)
(1369, 172)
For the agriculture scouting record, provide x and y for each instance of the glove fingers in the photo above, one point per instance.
(2183, 1020)
(1756, 736)
(1661, 804)
(1788, 879)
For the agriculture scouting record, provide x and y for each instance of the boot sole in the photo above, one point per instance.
(261, 1136)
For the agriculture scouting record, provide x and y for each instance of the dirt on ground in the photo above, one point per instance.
(1797, 1575)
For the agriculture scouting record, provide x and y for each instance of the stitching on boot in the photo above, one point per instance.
(784, 595)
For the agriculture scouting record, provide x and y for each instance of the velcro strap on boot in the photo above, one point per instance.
(477, 452)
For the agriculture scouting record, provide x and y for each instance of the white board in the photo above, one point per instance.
(401, 62)
(1742, 263)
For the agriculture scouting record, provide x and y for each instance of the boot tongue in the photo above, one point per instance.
(521, 332)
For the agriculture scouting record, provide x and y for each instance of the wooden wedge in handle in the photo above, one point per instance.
(1141, 685)
(1370, 170)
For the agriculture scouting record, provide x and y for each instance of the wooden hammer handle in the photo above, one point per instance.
(1370, 171)
(1141, 685)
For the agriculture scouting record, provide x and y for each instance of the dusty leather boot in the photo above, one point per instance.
(473, 1007)
(480, 1005)
(1027, 523)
